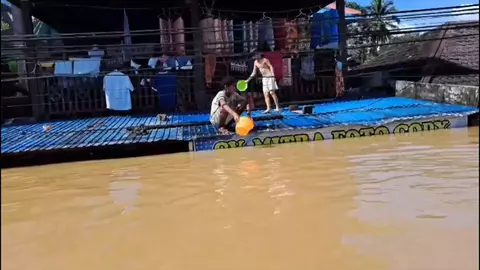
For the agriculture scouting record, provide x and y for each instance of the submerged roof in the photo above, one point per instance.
(64, 134)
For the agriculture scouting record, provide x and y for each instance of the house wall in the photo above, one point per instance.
(443, 93)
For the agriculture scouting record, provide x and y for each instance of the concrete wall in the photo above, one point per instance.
(442, 93)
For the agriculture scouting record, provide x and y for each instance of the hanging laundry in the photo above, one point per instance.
(231, 39)
(280, 33)
(152, 62)
(265, 34)
(178, 36)
(287, 72)
(63, 68)
(185, 62)
(253, 36)
(86, 66)
(208, 33)
(291, 42)
(117, 87)
(165, 85)
(246, 37)
(339, 80)
(165, 35)
(217, 26)
(135, 66)
(307, 70)
(325, 29)
(210, 65)
(127, 39)
(276, 60)
(304, 34)
(170, 63)
(224, 32)
(250, 37)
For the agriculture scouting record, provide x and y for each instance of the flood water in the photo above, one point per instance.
(406, 202)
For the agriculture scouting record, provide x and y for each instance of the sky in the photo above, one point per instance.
(424, 4)
(417, 4)
(421, 4)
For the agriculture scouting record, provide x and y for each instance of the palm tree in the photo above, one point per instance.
(374, 29)
(380, 22)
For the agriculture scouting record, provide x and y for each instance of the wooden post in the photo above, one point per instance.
(342, 35)
(23, 25)
(198, 70)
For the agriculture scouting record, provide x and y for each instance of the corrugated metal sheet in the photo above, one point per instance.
(95, 132)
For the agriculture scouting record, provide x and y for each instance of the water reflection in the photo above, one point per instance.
(404, 203)
(124, 187)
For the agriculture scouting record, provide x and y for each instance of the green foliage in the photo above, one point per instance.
(374, 29)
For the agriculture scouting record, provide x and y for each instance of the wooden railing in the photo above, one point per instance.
(64, 97)
(70, 97)
(84, 95)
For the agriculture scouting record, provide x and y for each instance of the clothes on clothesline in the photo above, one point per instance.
(165, 84)
(117, 87)
(265, 34)
(63, 68)
(172, 36)
(210, 64)
(276, 60)
(287, 72)
(86, 66)
(339, 80)
(299, 35)
(172, 63)
(325, 29)
(307, 71)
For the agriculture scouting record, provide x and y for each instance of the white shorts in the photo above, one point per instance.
(269, 84)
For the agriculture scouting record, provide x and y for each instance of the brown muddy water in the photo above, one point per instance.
(407, 202)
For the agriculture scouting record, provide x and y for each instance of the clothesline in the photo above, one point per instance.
(465, 10)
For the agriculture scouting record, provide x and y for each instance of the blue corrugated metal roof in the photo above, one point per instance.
(111, 130)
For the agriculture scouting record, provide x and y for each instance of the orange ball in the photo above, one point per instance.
(244, 126)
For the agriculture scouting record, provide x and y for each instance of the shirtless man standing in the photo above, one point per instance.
(268, 80)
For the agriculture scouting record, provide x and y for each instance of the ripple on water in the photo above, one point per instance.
(401, 203)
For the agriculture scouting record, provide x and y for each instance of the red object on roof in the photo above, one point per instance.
(349, 11)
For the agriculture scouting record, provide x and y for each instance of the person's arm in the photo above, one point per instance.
(253, 72)
(269, 65)
(250, 105)
(230, 111)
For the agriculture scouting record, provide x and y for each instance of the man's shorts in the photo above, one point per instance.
(269, 84)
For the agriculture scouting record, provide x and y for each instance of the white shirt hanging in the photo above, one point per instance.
(117, 87)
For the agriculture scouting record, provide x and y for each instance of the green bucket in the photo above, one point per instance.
(242, 85)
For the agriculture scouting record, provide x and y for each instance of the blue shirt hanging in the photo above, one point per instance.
(325, 29)
(165, 85)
